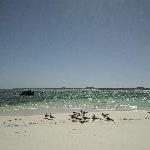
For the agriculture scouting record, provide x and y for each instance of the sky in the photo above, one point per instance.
(74, 43)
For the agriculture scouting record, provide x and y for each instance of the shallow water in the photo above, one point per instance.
(68, 99)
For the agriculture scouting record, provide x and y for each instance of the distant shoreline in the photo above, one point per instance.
(136, 88)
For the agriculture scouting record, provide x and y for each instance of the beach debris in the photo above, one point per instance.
(131, 119)
(74, 129)
(33, 123)
(17, 132)
(147, 117)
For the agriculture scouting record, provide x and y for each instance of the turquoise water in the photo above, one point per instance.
(97, 99)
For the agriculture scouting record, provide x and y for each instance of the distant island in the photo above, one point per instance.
(30, 91)
(27, 93)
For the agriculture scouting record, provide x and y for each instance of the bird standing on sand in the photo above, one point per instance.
(85, 118)
(83, 121)
(109, 119)
(105, 115)
(94, 117)
(72, 116)
(51, 116)
(76, 113)
(46, 115)
(83, 112)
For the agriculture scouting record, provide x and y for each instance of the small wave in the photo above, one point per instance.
(133, 107)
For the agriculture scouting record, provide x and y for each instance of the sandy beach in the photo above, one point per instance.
(128, 131)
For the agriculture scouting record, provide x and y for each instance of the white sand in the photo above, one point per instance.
(130, 131)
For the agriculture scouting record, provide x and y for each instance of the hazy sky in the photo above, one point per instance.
(74, 43)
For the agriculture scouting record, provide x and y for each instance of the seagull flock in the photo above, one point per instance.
(81, 117)
(48, 116)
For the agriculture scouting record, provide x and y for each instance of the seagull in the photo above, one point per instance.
(46, 115)
(105, 115)
(85, 118)
(94, 117)
(72, 116)
(51, 116)
(83, 121)
(76, 113)
(109, 119)
(77, 118)
(83, 112)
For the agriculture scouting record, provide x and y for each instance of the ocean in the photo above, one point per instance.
(64, 99)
